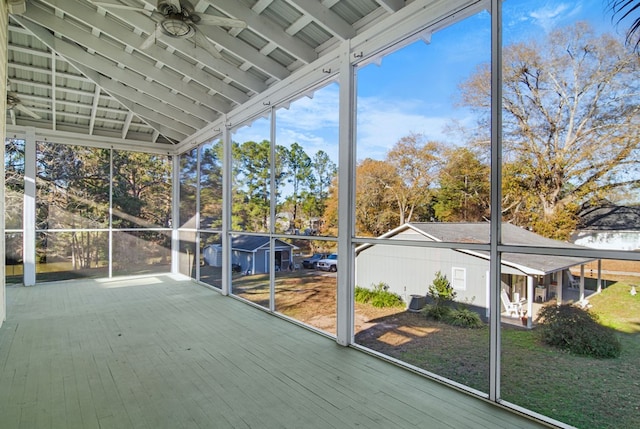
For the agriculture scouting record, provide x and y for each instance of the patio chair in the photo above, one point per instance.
(512, 308)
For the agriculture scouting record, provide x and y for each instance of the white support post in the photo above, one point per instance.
(582, 283)
(559, 287)
(272, 210)
(496, 185)
(346, 197)
(530, 298)
(599, 283)
(196, 237)
(175, 215)
(110, 233)
(4, 24)
(226, 210)
(29, 209)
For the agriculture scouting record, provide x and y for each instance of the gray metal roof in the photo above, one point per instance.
(101, 68)
(610, 217)
(251, 243)
(479, 233)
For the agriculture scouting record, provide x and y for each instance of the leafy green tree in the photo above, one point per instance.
(211, 186)
(299, 174)
(188, 188)
(376, 210)
(141, 189)
(463, 192)
(14, 182)
(416, 163)
(570, 123)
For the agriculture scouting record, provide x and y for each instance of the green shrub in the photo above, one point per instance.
(378, 297)
(441, 291)
(437, 312)
(464, 318)
(363, 295)
(577, 331)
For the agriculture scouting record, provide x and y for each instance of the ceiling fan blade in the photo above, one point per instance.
(107, 5)
(174, 3)
(27, 111)
(202, 41)
(221, 21)
(151, 39)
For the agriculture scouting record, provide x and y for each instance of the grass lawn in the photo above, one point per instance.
(581, 391)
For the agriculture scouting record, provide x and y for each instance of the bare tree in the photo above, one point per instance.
(571, 122)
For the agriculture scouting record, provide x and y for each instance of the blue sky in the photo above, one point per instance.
(413, 90)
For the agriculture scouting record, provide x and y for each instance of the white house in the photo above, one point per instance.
(410, 270)
(609, 227)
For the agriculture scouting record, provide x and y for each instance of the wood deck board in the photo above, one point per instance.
(160, 352)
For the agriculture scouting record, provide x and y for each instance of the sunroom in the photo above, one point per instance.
(144, 138)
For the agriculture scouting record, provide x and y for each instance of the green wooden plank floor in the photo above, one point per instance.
(162, 352)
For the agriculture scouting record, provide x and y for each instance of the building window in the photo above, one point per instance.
(459, 278)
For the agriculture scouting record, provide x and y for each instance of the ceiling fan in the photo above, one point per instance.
(178, 19)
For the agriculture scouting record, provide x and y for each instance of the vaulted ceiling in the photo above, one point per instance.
(111, 68)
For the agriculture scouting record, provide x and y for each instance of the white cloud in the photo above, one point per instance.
(381, 123)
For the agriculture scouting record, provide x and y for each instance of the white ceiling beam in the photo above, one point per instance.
(47, 71)
(127, 124)
(117, 56)
(53, 90)
(218, 36)
(138, 105)
(267, 29)
(391, 6)
(325, 18)
(105, 142)
(67, 50)
(94, 108)
(88, 16)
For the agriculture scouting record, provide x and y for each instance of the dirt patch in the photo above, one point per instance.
(308, 296)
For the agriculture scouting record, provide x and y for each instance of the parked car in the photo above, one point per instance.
(330, 263)
(311, 261)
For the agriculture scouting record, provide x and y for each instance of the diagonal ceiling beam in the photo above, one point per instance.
(135, 80)
(391, 6)
(326, 18)
(220, 37)
(267, 29)
(118, 56)
(68, 51)
(136, 104)
(87, 14)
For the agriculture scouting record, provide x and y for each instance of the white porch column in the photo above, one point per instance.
(29, 209)
(581, 282)
(226, 209)
(599, 283)
(175, 215)
(346, 193)
(530, 298)
(559, 287)
(4, 25)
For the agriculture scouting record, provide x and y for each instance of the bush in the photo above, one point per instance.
(378, 297)
(363, 295)
(437, 312)
(441, 290)
(464, 318)
(577, 331)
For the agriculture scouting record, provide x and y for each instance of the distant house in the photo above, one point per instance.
(251, 253)
(212, 255)
(609, 226)
(409, 270)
